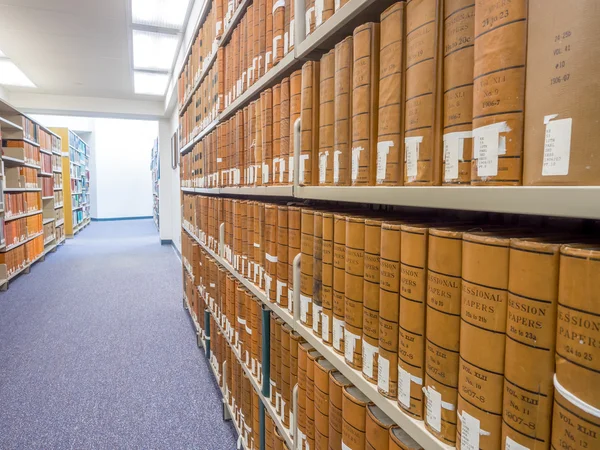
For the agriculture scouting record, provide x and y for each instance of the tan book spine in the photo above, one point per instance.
(339, 282)
(278, 30)
(292, 25)
(303, 349)
(326, 117)
(337, 383)
(310, 16)
(389, 303)
(278, 369)
(295, 341)
(273, 359)
(422, 158)
(269, 35)
(573, 427)
(294, 248)
(390, 136)
(276, 133)
(365, 98)
(483, 319)
(317, 303)
(499, 92)
(323, 369)
(250, 45)
(342, 130)
(354, 418)
(327, 279)
(354, 290)
(271, 261)
(251, 144)
(258, 233)
(267, 136)
(284, 129)
(269, 432)
(257, 339)
(295, 113)
(378, 428)
(444, 269)
(313, 357)
(309, 124)
(286, 388)
(307, 267)
(262, 37)
(251, 239)
(578, 325)
(258, 141)
(559, 64)
(281, 297)
(530, 343)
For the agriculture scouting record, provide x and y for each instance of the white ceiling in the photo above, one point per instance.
(70, 47)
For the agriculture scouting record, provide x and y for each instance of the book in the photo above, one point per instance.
(323, 369)
(271, 251)
(354, 290)
(313, 357)
(317, 303)
(390, 135)
(370, 337)
(327, 279)
(281, 291)
(377, 429)
(295, 113)
(294, 248)
(339, 282)
(365, 97)
(354, 418)
(337, 383)
(342, 130)
(309, 124)
(326, 117)
(284, 127)
(500, 54)
(307, 267)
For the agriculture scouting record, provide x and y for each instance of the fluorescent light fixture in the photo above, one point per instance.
(150, 83)
(11, 75)
(159, 13)
(153, 51)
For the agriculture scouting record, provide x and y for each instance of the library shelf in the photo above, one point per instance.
(29, 141)
(60, 222)
(23, 189)
(20, 216)
(59, 205)
(57, 170)
(25, 268)
(12, 161)
(207, 129)
(45, 174)
(6, 124)
(18, 244)
(260, 191)
(49, 197)
(47, 152)
(235, 19)
(32, 166)
(50, 248)
(48, 220)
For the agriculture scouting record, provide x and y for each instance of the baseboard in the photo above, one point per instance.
(176, 249)
(166, 242)
(110, 219)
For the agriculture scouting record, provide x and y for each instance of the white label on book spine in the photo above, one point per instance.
(345, 447)
(487, 146)
(383, 150)
(316, 310)
(454, 144)
(268, 280)
(285, 42)
(291, 171)
(338, 333)
(383, 374)
(271, 258)
(557, 146)
(278, 4)
(513, 445)
(265, 173)
(324, 326)
(336, 166)
(369, 352)
(433, 407)
(304, 302)
(275, 52)
(323, 166)
(280, 286)
(356, 162)
(349, 345)
(318, 12)
(303, 159)
(412, 155)
(469, 437)
(309, 15)
(337, 4)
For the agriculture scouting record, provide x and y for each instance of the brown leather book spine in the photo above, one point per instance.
(530, 343)
(578, 329)
(309, 124)
(483, 319)
(354, 290)
(271, 252)
(249, 272)
(281, 291)
(444, 268)
(378, 428)
(342, 130)
(303, 350)
(307, 267)
(276, 133)
(256, 364)
(296, 82)
(339, 282)
(286, 388)
(370, 338)
(326, 118)
(259, 142)
(273, 358)
(365, 98)
(317, 303)
(294, 248)
(459, 44)
(262, 37)
(337, 383)
(559, 64)
(292, 25)
(499, 92)
(389, 303)
(269, 432)
(278, 30)
(282, 176)
(313, 357)
(390, 136)
(295, 341)
(354, 418)
(573, 427)
(327, 278)
(310, 16)
(258, 249)
(250, 45)
(422, 158)
(321, 401)
(269, 35)
(267, 136)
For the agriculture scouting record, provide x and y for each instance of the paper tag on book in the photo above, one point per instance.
(383, 374)
(323, 166)
(324, 326)
(275, 52)
(286, 43)
(281, 169)
(292, 31)
(318, 12)
(309, 18)
(433, 408)
(337, 4)
(557, 146)
(487, 146)
(369, 352)
(280, 286)
(412, 145)
(383, 149)
(454, 144)
(291, 171)
(304, 302)
(349, 345)
(338, 333)
(513, 445)
(303, 159)
(469, 437)
(356, 162)
(268, 280)
(316, 311)
(290, 300)
(336, 166)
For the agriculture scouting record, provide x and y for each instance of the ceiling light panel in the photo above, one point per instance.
(11, 75)
(153, 51)
(150, 83)
(159, 13)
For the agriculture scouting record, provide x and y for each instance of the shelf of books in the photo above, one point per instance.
(75, 153)
(390, 221)
(28, 230)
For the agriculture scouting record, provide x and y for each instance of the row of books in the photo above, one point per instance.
(49, 233)
(46, 162)
(422, 98)
(46, 140)
(22, 202)
(57, 163)
(20, 230)
(58, 181)
(21, 177)
(408, 299)
(47, 186)
(18, 258)
(22, 150)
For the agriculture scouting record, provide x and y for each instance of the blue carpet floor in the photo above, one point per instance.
(96, 350)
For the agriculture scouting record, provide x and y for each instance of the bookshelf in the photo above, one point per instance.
(29, 186)
(75, 154)
(155, 169)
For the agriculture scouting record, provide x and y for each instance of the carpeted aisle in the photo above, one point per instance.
(96, 350)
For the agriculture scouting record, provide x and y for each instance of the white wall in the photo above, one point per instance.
(3, 94)
(120, 177)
